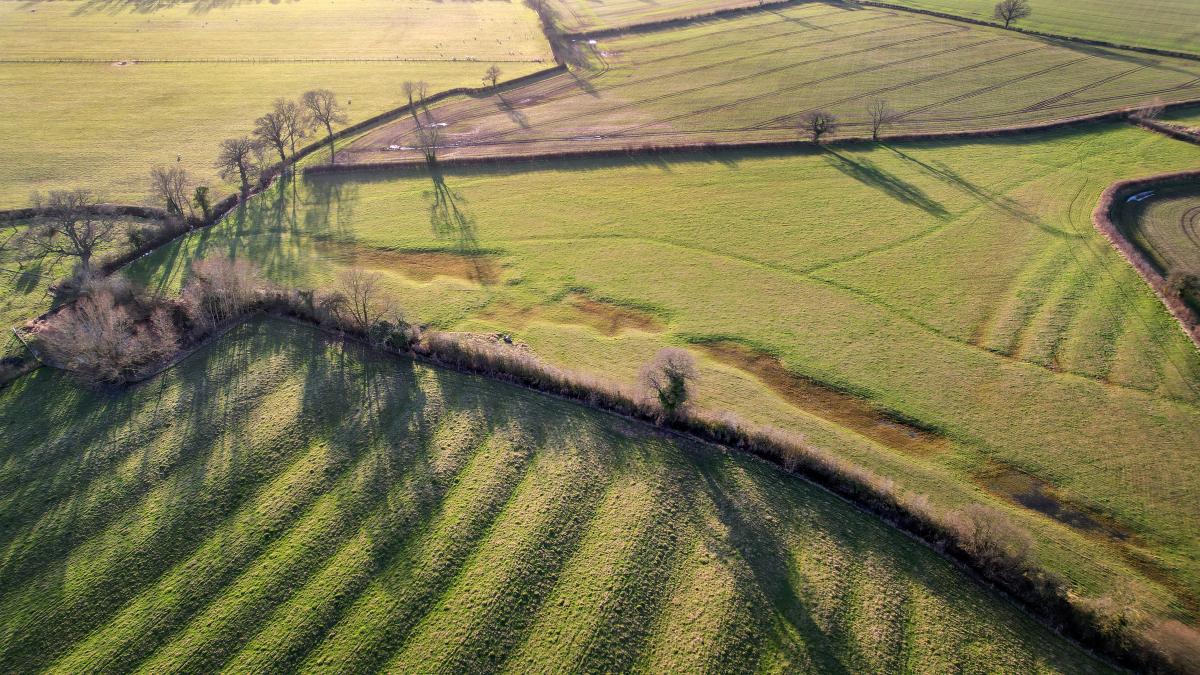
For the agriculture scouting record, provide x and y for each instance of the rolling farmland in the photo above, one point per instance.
(1160, 24)
(970, 269)
(280, 502)
(752, 78)
(99, 93)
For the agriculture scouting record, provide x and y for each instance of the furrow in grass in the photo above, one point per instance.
(1023, 299)
(489, 608)
(64, 602)
(603, 609)
(363, 604)
(357, 503)
(1136, 363)
(1090, 346)
(876, 628)
(1043, 335)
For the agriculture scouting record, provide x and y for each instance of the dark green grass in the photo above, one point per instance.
(279, 502)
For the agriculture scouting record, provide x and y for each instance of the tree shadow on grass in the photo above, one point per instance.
(869, 173)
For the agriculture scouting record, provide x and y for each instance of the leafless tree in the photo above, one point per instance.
(669, 377)
(218, 289)
(1151, 110)
(817, 124)
(364, 305)
(72, 225)
(881, 116)
(171, 184)
(272, 130)
(1011, 10)
(492, 75)
(428, 138)
(236, 159)
(295, 120)
(325, 111)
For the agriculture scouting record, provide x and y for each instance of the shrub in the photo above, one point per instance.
(219, 289)
(668, 377)
(990, 538)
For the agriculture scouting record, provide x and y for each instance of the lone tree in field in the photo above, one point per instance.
(818, 124)
(236, 158)
(881, 115)
(73, 225)
(1009, 11)
(669, 377)
(428, 138)
(324, 110)
(492, 75)
(272, 130)
(170, 184)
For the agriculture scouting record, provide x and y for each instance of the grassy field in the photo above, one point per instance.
(280, 502)
(1167, 227)
(96, 93)
(1162, 24)
(583, 15)
(960, 285)
(753, 78)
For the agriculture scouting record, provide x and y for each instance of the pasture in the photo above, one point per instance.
(1160, 24)
(282, 502)
(1166, 226)
(958, 286)
(752, 78)
(96, 93)
(575, 16)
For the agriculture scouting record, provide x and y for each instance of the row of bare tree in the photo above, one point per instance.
(818, 124)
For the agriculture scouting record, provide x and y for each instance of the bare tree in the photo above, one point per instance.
(428, 138)
(236, 158)
(881, 116)
(492, 75)
(324, 110)
(218, 289)
(363, 299)
(817, 124)
(1011, 10)
(72, 225)
(669, 377)
(272, 130)
(171, 184)
(410, 90)
(1151, 110)
(294, 119)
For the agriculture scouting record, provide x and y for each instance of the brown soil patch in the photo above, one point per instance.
(420, 266)
(821, 400)
(1034, 493)
(579, 309)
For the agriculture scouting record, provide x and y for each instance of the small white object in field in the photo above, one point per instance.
(591, 42)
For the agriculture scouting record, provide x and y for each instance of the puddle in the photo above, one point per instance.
(578, 309)
(818, 399)
(420, 266)
(1034, 493)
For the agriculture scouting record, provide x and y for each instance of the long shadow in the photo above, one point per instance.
(996, 200)
(869, 173)
(450, 220)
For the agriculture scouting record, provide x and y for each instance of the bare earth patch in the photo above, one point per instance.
(605, 317)
(811, 396)
(422, 266)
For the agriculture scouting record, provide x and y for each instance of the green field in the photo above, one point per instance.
(280, 502)
(1161, 24)
(960, 285)
(583, 15)
(98, 93)
(1167, 227)
(752, 78)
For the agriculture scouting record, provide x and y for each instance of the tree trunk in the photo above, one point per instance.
(329, 130)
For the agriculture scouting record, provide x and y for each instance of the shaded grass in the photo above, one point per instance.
(444, 505)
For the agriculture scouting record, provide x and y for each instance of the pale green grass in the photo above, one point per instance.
(753, 77)
(1163, 24)
(960, 285)
(103, 126)
(278, 502)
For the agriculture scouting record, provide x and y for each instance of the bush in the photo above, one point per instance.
(990, 538)
(109, 335)
(217, 290)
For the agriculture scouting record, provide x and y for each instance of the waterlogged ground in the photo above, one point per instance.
(280, 502)
(957, 291)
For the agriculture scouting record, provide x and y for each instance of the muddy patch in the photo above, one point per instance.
(1034, 493)
(422, 266)
(579, 309)
(836, 406)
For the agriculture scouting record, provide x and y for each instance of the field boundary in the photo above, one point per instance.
(718, 146)
(666, 24)
(1104, 221)
(1176, 132)
(1029, 31)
